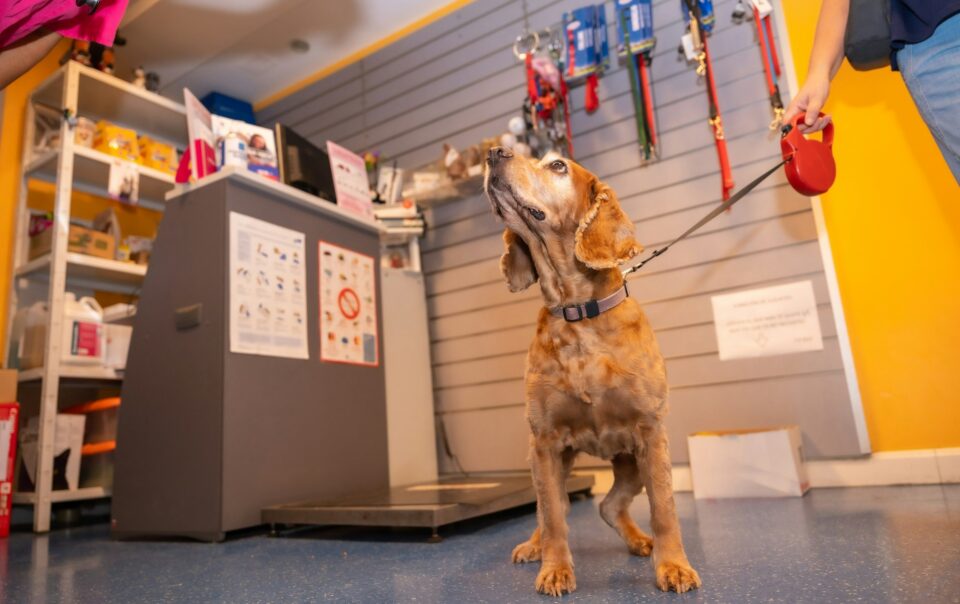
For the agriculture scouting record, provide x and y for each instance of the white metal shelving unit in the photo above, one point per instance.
(94, 95)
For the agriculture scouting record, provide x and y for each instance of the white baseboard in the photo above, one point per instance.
(919, 466)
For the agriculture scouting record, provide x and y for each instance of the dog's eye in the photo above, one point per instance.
(538, 214)
(559, 167)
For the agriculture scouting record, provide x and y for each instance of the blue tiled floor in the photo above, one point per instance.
(897, 544)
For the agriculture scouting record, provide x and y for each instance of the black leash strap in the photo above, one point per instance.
(720, 209)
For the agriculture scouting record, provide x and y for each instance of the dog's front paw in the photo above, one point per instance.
(639, 544)
(556, 580)
(528, 551)
(676, 576)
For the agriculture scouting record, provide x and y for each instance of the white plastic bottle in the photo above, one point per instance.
(33, 337)
(84, 338)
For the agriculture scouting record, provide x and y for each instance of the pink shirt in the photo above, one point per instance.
(20, 18)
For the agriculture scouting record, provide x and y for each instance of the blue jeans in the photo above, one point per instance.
(931, 70)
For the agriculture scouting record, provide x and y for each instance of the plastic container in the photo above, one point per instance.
(96, 465)
(33, 335)
(101, 416)
(84, 339)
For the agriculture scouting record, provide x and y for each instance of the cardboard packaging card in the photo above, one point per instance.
(748, 463)
(8, 385)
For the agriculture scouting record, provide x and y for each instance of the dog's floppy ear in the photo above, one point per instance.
(516, 264)
(605, 237)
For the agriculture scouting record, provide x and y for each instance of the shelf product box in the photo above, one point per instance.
(67, 445)
(748, 463)
(80, 240)
(117, 141)
(157, 155)
(8, 385)
(9, 412)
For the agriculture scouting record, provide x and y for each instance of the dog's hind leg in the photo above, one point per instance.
(615, 507)
(529, 550)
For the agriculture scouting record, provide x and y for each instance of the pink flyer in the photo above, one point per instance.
(350, 180)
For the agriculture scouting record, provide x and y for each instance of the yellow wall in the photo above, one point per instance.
(894, 222)
(133, 221)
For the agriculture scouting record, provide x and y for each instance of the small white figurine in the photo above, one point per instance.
(140, 77)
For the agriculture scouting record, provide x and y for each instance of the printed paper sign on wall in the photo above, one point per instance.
(348, 310)
(268, 292)
(350, 180)
(767, 321)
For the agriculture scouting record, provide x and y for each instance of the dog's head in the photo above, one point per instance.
(560, 220)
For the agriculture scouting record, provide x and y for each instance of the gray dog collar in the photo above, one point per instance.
(590, 308)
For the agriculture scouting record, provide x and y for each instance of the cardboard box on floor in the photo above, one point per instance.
(766, 462)
(8, 385)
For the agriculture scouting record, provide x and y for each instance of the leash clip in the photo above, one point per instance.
(717, 124)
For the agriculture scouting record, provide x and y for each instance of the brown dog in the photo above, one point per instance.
(595, 380)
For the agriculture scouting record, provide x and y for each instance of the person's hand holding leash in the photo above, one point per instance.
(810, 100)
(825, 59)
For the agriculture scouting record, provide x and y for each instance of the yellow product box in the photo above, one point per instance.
(117, 141)
(157, 155)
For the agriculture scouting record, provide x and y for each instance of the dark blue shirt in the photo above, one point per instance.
(913, 21)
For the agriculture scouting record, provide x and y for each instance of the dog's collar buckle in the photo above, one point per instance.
(591, 308)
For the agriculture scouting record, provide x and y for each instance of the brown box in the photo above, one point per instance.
(8, 386)
(81, 240)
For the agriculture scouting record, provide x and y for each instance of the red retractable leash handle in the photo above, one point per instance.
(808, 162)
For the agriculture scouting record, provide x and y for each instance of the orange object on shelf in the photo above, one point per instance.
(98, 448)
(101, 424)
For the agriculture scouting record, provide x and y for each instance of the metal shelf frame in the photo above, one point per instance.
(88, 93)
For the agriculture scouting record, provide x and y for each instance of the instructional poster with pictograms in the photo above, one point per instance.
(268, 291)
(348, 308)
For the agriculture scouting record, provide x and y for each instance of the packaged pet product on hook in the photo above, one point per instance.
(636, 42)
(588, 52)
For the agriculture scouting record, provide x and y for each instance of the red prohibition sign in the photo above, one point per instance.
(349, 303)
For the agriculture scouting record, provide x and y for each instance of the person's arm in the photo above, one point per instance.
(16, 60)
(825, 59)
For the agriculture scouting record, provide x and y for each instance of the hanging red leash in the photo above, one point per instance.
(768, 53)
(705, 69)
(809, 167)
(643, 63)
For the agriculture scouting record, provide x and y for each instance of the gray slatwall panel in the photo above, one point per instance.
(456, 81)
(340, 103)
(478, 221)
(749, 239)
(307, 97)
(676, 342)
(665, 315)
(768, 402)
(697, 370)
(484, 241)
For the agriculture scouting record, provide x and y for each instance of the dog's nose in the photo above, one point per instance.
(498, 153)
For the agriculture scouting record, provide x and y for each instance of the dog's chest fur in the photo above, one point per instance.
(593, 385)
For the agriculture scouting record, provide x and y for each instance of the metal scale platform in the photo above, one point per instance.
(427, 505)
